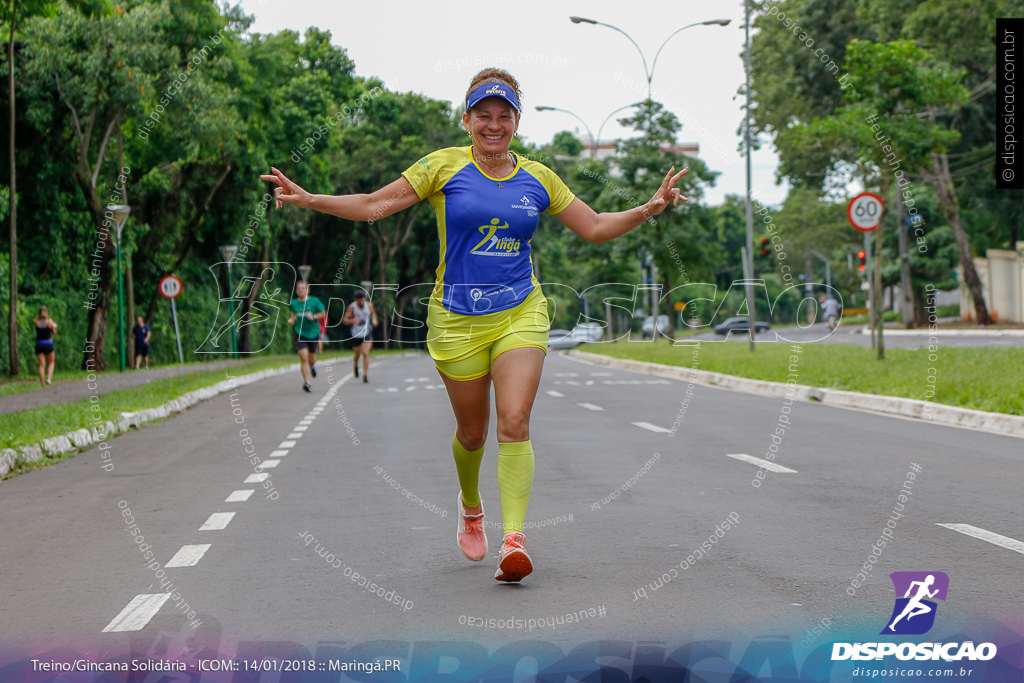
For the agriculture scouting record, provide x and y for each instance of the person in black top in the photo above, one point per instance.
(45, 329)
(142, 334)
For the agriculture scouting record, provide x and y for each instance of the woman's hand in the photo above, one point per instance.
(668, 192)
(287, 191)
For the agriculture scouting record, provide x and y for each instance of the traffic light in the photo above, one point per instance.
(765, 247)
(862, 260)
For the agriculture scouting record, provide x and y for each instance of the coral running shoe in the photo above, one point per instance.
(514, 563)
(472, 540)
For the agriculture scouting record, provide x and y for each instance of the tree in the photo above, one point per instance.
(642, 163)
(879, 132)
(28, 8)
(98, 69)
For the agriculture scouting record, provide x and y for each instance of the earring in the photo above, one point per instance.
(515, 133)
(469, 134)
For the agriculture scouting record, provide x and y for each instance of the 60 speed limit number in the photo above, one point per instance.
(864, 211)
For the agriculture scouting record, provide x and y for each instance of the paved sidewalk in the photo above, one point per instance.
(70, 392)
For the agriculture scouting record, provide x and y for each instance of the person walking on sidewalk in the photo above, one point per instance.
(361, 315)
(142, 335)
(45, 329)
(306, 311)
(487, 318)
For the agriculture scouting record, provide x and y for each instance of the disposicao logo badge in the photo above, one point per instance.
(914, 612)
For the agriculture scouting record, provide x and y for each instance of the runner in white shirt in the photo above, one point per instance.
(363, 318)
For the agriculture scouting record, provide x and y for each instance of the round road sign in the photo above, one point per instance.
(170, 286)
(864, 211)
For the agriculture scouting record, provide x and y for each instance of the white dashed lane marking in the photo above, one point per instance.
(217, 521)
(144, 607)
(590, 406)
(556, 394)
(188, 555)
(652, 428)
(762, 463)
(987, 536)
(137, 614)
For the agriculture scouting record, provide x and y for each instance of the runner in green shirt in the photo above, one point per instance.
(306, 312)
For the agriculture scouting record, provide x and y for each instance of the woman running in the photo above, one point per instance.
(45, 329)
(487, 317)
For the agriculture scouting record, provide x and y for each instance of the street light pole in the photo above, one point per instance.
(120, 213)
(593, 141)
(649, 73)
(635, 104)
(749, 256)
(828, 269)
(228, 253)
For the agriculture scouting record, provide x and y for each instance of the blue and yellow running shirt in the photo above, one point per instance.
(484, 227)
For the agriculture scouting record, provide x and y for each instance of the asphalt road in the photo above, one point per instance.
(633, 475)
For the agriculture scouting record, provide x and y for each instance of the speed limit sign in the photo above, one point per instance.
(864, 211)
(170, 286)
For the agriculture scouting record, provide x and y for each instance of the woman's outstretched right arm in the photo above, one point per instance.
(354, 207)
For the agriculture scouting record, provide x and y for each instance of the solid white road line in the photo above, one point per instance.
(256, 478)
(556, 394)
(589, 406)
(239, 496)
(764, 464)
(286, 444)
(989, 536)
(188, 555)
(137, 614)
(217, 521)
(652, 428)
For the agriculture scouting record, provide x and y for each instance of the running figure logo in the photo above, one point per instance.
(495, 246)
(914, 613)
(256, 302)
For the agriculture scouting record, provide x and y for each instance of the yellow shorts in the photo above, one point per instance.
(464, 346)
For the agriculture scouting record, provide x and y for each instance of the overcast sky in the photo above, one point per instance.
(436, 47)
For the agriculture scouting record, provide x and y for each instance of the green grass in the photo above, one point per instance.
(987, 379)
(32, 426)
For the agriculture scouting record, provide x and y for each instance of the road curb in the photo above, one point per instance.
(82, 439)
(999, 423)
(924, 332)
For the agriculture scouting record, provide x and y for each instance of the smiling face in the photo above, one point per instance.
(492, 122)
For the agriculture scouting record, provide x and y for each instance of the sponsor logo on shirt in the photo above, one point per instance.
(524, 203)
(492, 244)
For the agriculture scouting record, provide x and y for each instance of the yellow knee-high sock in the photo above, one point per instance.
(515, 481)
(467, 464)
